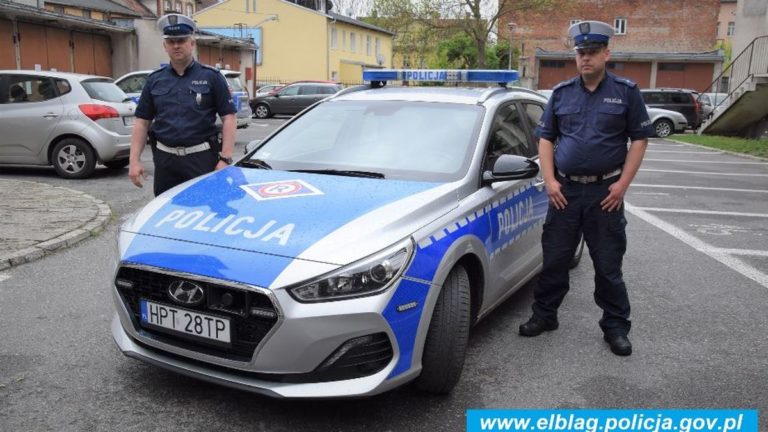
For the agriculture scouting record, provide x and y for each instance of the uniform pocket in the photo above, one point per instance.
(568, 116)
(611, 118)
(200, 95)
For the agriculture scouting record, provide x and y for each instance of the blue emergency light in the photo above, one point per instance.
(441, 75)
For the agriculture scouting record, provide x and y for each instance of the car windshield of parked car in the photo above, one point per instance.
(401, 140)
(104, 90)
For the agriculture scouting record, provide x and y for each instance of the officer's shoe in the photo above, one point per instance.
(536, 326)
(619, 344)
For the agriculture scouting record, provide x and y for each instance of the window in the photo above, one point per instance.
(574, 21)
(334, 38)
(620, 26)
(672, 66)
(178, 7)
(29, 89)
(167, 6)
(334, 76)
(290, 91)
(507, 135)
(86, 13)
(534, 113)
(352, 42)
(344, 40)
(553, 63)
(378, 46)
(190, 9)
(368, 41)
(59, 9)
(133, 84)
(717, 30)
(731, 28)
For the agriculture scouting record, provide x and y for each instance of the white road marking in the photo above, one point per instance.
(729, 261)
(703, 172)
(702, 212)
(709, 161)
(699, 188)
(745, 252)
(688, 152)
(4, 277)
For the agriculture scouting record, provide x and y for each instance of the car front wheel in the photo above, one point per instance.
(73, 158)
(663, 128)
(446, 343)
(262, 111)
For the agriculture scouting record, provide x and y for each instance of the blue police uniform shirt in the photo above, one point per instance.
(184, 107)
(592, 128)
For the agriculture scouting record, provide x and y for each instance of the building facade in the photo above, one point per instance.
(298, 42)
(658, 43)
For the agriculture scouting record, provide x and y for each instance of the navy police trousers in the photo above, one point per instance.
(606, 238)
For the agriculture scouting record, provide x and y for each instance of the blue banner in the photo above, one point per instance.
(612, 420)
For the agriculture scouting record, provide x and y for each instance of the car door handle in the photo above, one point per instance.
(50, 115)
(539, 185)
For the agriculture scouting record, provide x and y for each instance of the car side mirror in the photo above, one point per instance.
(251, 146)
(511, 167)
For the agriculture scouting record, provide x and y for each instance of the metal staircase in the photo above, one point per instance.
(747, 101)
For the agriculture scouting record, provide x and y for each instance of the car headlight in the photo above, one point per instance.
(368, 276)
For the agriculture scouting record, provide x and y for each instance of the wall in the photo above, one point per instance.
(346, 64)
(751, 22)
(293, 48)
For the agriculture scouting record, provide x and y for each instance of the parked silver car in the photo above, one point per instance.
(666, 122)
(67, 120)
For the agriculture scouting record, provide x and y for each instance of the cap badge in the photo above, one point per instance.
(173, 19)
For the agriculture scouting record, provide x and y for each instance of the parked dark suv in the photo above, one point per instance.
(292, 98)
(681, 100)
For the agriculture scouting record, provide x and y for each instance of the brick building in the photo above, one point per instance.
(658, 43)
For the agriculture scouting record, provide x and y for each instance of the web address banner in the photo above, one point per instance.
(611, 420)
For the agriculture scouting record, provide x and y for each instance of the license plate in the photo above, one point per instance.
(128, 121)
(185, 321)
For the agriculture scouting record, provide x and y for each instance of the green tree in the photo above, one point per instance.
(459, 52)
(478, 19)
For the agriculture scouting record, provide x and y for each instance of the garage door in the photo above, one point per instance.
(57, 48)
(7, 50)
(31, 43)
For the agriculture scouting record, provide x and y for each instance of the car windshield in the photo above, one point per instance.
(234, 83)
(401, 140)
(103, 90)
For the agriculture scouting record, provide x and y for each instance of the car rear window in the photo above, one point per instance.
(103, 90)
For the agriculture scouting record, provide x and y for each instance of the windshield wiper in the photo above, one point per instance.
(255, 163)
(348, 173)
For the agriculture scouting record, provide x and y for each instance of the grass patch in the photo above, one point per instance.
(739, 145)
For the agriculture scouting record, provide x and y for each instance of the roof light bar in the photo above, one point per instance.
(441, 75)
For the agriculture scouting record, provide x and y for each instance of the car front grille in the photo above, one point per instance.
(251, 313)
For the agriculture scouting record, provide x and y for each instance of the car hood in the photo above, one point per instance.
(250, 225)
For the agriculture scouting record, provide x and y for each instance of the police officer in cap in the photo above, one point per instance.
(590, 117)
(180, 101)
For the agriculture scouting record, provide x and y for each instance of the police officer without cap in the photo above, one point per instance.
(183, 99)
(586, 176)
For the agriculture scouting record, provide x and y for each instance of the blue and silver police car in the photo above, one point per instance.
(351, 251)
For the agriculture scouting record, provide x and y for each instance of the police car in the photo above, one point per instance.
(351, 251)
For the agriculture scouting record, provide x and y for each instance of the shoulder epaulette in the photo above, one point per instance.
(208, 67)
(626, 81)
(564, 83)
(158, 70)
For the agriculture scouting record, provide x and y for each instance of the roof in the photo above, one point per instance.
(459, 95)
(138, 7)
(708, 56)
(97, 5)
(358, 23)
(35, 14)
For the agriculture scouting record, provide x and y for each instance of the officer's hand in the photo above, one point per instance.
(221, 165)
(556, 198)
(615, 197)
(136, 173)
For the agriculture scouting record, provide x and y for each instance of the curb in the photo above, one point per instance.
(89, 228)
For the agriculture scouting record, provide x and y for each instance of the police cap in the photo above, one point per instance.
(176, 26)
(590, 34)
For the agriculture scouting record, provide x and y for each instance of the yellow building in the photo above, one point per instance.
(299, 43)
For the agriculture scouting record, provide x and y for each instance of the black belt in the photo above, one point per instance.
(584, 179)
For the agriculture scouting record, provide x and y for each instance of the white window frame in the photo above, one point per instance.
(378, 46)
(179, 8)
(731, 28)
(620, 26)
(334, 38)
(368, 44)
(190, 9)
(352, 42)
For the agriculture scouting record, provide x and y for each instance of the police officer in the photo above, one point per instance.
(590, 117)
(183, 98)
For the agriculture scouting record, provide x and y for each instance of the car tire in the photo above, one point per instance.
(579, 253)
(446, 343)
(117, 164)
(73, 158)
(262, 111)
(663, 128)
